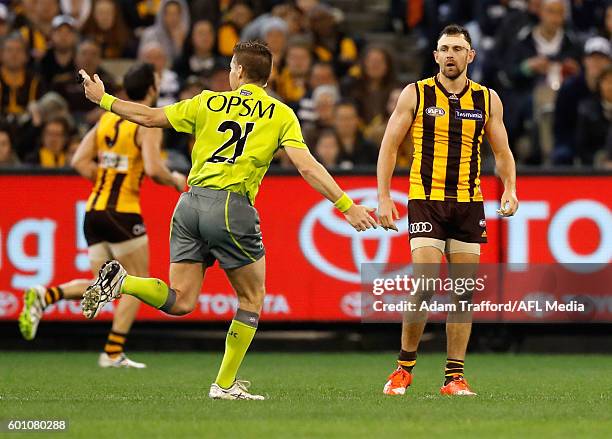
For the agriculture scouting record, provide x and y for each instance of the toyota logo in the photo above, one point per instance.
(322, 214)
(423, 227)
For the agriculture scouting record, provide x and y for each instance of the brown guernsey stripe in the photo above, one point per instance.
(99, 191)
(479, 104)
(114, 192)
(453, 158)
(427, 148)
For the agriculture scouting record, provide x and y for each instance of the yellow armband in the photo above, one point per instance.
(107, 101)
(344, 203)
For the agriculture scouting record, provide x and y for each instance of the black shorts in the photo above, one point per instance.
(110, 226)
(463, 221)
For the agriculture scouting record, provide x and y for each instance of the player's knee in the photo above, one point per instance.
(182, 308)
(183, 304)
(252, 302)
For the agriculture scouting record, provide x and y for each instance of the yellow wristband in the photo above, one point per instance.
(344, 203)
(107, 101)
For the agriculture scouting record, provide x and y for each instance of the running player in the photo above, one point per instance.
(113, 226)
(445, 117)
(237, 134)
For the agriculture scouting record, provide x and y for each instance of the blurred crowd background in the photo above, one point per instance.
(340, 64)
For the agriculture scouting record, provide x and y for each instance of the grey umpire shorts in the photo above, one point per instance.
(210, 225)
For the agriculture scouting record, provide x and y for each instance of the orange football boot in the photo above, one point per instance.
(458, 386)
(397, 382)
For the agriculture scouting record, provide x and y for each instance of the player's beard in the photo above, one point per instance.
(453, 73)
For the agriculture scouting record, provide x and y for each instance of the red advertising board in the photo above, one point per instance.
(313, 256)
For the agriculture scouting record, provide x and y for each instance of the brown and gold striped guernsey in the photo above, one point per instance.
(447, 132)
(120, 166)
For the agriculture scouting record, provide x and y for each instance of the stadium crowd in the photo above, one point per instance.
(550, 61)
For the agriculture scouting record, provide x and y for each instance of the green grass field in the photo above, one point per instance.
(310, 395)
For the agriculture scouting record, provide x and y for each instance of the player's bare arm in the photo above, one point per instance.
(137, 113)
(154, 166)
(504, 161)
(83, 159)
(395, 135)
(317, 176)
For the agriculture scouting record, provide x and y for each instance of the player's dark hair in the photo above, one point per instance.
(138, 80)
(455, 29)
(256, 60)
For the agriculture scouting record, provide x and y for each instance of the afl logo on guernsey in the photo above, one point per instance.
(435, 111)
(245, 93)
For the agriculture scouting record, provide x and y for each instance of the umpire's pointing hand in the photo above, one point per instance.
(94, 89)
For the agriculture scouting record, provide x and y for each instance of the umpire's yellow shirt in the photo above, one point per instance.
(237, 134)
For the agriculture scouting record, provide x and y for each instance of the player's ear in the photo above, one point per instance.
(471, 55)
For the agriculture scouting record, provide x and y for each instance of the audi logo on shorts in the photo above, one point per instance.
(138, 229)
(422, 227)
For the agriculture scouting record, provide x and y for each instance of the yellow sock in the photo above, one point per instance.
(151, 291)
(239, 337)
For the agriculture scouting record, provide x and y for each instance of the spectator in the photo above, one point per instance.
(107, 27)
(324, 98)
(219, 80)
(206, 10)
(606, 31)
(49, 106)
(179, 145)
(36, 33)
(306, 5)
(274, 34)
(371, 89)
(356, 148)
(237, 17)
(24, 13)
(293, 80)
(53, 145)
(153, 53)
(594, 126)
(88, 57)
(328, 150)
(331, 45)
(586, 13)
(597, 56)
(80, 10)
(199, 56)
(19, 85)
(170, 29)
(539, 60)
(8, 158)
(519, 16)
(140, 14)
(321, 74)
(286, 12)
(376, 130)
(57, 66)
(5, 25)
